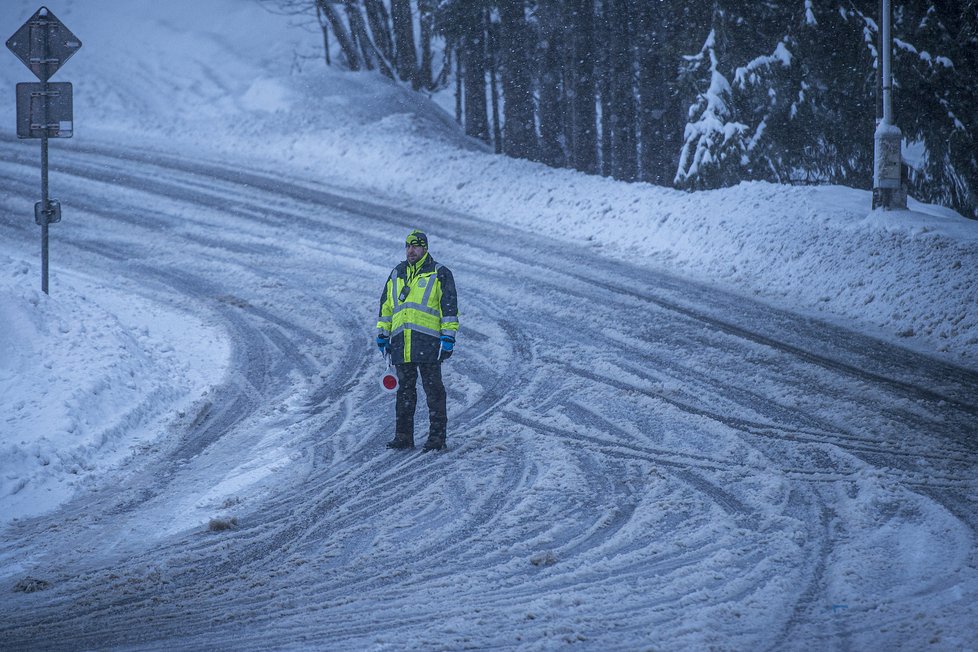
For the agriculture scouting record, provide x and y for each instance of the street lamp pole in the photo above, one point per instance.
(888, 190)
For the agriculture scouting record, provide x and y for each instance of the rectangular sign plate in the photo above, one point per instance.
(51, 216)
(44, 111)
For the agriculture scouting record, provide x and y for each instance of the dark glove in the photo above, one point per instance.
(447, 346)
(384, 344)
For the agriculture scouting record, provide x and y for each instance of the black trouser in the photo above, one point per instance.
(407, 399)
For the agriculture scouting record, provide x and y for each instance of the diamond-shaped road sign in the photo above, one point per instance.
(43, 43)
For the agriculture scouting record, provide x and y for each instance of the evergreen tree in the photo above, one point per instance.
(622, 121)
(698, 94)
(550, 78)
(826, 131)
(713, 146)
(583, 139)
(935, 99)
(519, 131)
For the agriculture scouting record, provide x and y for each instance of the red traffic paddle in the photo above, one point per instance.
(389, 380)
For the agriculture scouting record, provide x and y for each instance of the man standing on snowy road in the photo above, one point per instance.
(417, 325)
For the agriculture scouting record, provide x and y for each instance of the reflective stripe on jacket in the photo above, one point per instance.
(419, 305)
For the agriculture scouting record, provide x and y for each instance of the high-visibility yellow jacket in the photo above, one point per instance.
(419, 305)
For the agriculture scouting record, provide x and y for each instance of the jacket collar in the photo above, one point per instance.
(425, 264)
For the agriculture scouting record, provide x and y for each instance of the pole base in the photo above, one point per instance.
(890, 198)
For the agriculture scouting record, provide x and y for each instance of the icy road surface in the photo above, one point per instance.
(635, 461)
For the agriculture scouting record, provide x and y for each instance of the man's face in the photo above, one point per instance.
(414, 253)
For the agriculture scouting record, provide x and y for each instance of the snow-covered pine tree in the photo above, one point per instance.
(767, 88)
(713, 148)
(936, 99)
(808, 100)
(767, 92)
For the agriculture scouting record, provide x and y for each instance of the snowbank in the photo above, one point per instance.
(906, 275)
(910, 275)
(88, 378)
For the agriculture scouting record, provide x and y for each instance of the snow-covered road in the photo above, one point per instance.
(635, 460)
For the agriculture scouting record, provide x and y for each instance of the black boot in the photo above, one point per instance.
(401, 442)
(434, 444)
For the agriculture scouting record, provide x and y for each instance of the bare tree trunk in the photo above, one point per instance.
(347, 44)
(324, 26)
(426, 19)
(405, 58)
(380, 27)
(358, 32)
(474, 64)
(550, 80)
(520, 134)
(604, 84)
(623, 136)
(459, 88)
(367, 47)
(492, 61)
(650, 92)
(584, 116)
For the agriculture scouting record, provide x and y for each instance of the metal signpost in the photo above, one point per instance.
(44, 110)
(888, 183)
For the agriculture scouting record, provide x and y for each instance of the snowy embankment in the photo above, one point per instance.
(87, 378)
(84, 380)
(905, 275)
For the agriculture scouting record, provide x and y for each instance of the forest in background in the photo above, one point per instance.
(691, 94)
